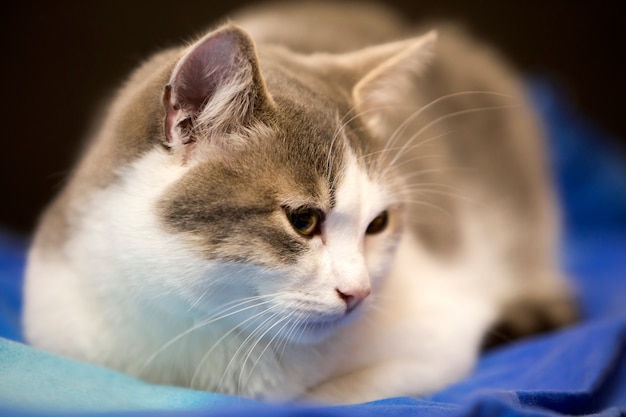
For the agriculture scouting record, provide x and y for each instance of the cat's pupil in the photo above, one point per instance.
(306, 221)
(378, 224)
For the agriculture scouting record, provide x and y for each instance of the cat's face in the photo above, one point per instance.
(300, 225)
(286, 201)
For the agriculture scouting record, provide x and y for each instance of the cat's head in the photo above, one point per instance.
(288, 192)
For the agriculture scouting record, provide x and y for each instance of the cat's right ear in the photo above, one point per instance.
(215, 90)
(389, 74)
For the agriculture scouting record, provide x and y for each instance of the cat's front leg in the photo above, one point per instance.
(392, 379)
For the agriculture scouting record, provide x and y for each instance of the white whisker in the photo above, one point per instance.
(402, 127)
(204, 323)
(425, 204)
(250, 336)
(241, 325)
(439, 120)
(267, 345)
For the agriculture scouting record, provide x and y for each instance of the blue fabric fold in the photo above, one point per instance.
(579, 370)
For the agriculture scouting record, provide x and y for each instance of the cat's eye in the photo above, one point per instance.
(378, 224)
(306, 221)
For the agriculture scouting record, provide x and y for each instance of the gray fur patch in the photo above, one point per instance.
(233, 206)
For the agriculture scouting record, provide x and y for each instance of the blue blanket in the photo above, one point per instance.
(580, 370)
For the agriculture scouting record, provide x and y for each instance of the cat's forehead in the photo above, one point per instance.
(316, 115)
(317, 136)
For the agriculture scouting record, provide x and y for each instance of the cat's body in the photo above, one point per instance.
(302, 215)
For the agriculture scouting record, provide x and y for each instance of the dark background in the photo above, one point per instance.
(61, 60)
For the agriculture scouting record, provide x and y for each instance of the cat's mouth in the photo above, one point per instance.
(312, 331)
(316, 329)
(321, 324)
(309, 322)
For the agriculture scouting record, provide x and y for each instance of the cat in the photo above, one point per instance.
(312, 202)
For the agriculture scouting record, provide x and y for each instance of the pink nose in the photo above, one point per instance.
(353, 298)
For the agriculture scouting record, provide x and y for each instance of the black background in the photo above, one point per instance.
(61, 60)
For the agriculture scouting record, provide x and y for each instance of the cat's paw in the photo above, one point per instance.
(531, 316)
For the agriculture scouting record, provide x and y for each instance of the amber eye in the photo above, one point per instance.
(306, 221)
(378, 224)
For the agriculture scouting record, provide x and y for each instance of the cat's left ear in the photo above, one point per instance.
(390, 72)
(215, 90)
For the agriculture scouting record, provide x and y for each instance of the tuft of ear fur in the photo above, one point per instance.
(392, 69)
(215, 91)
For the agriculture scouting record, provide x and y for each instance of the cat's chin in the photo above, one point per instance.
(311, 332)
(314, 332)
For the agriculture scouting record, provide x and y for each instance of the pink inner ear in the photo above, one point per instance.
(210, 64)
(214, 89)
(203, 70)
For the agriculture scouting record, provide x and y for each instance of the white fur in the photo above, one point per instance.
(138, 298)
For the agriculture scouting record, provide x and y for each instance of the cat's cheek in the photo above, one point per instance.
(310, 287)
(380, 253)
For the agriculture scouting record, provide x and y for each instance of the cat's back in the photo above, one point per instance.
(333, 27)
